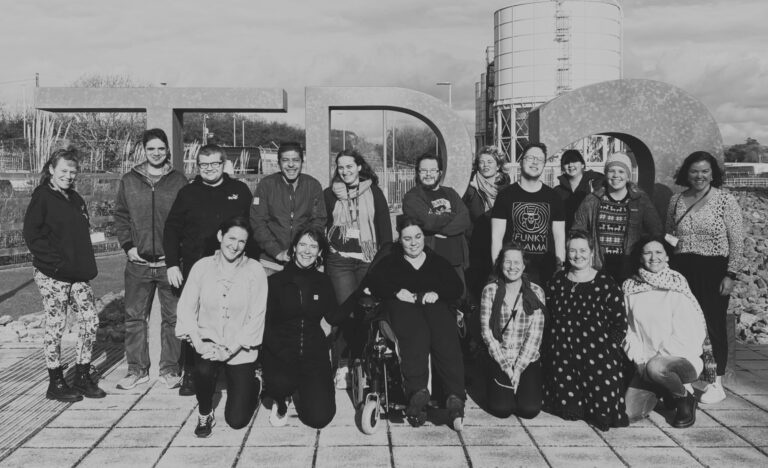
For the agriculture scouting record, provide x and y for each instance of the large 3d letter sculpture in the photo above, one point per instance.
(454, 142)
(165, 107)
(660, 123)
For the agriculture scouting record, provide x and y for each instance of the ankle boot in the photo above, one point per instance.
(85, 383)
(58, 388)
(686, 411)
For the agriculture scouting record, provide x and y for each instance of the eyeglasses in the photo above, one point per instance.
(429, 171)
(534, 159)
(212, 165)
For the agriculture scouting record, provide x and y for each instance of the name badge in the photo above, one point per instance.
(97, 237)
(255, 200)
(315, 297)
(671, 240)
(353, 233)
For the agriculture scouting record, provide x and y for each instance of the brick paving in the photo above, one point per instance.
(152, 426)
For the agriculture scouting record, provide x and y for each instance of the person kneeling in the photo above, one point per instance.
(221, 313)
(666, 339)
(512, 315)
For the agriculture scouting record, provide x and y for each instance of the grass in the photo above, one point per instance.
(19, 295)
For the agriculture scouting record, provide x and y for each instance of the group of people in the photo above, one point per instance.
(259, 285)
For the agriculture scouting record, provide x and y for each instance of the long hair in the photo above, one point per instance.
(366, 172)
(68, 154)
(497, 273)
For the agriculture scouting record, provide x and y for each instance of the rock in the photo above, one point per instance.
(25, 319)
(8, 336)
(746, 319)
(35, 324)
(761, 339)
(5, 320)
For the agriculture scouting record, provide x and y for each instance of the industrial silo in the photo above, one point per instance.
(544, 48)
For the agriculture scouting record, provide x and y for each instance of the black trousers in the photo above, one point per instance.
(421, 331)
(704, 275)
(242, 389)
(503, 402)
(308, 378)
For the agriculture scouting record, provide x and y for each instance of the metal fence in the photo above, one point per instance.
(398, 182)
(760, 182)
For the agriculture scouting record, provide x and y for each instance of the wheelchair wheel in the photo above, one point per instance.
(369, 417)
(357, 378)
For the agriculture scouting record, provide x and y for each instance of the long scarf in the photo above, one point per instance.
(487, 189)
(670, 280)
(531, 303)
(354, 209)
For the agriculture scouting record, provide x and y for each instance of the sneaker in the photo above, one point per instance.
(279, 416)
(172, 380)
(187, 387)
(416, 412)
(131, 380)
(455, 407)
(205, 425)
(715, 393)
(342, 378)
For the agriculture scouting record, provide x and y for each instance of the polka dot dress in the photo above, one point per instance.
(581, 355)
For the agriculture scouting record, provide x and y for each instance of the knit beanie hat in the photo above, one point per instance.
(621, 160)
(570, 156)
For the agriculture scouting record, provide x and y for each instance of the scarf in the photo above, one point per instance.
(670, 280)
(531, 303)
(487, 189)
(354, 209)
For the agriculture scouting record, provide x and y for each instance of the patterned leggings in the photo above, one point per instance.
(58, 296)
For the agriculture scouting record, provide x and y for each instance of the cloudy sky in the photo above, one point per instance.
(714, 49)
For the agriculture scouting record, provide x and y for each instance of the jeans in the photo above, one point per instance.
(662, 374)
(242, 389)
(346, 275)
(141, 282)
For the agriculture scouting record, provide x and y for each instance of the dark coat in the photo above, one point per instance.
(57, 233)
(590, 182)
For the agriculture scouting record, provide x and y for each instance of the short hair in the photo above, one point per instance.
(152, 134)
(366, 172)
(491, 151)
(573, 235)
(637, 250)
(404, 221)
(210, 150)
(681, 177)
(68, 154)
(540, 146)
(290, 146)
(236, 221)
(314, 233)
(426, 156)
(571, 155)
(498, 264)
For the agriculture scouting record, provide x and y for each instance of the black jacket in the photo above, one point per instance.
(590, 181)
(394, 273)
(194, 219)
(298, 299)
(57, 233)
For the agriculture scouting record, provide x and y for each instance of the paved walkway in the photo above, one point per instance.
(152, 426)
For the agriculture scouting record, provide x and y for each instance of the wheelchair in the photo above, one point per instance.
(376, 381)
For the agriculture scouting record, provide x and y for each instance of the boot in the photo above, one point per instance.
(416, 412)
(686, 411)
(58, 388)
(455, 407)
(86, 384)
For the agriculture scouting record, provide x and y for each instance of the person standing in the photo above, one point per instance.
(485, 184)
(57, 233)
(442, 214)
(575, 183)
(190, 230)
(143, 202)
(531, 214)
(283, 204)
(704, 223)
(358, 225)
(616, 216)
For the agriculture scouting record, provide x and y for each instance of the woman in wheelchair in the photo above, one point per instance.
(512, 316)
(416, 287)
(295, 353)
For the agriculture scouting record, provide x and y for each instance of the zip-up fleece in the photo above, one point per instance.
(57, 233)
(296, 301)
(195, 217)
(142, 207)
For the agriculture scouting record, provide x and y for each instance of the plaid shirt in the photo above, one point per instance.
(521, 340)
